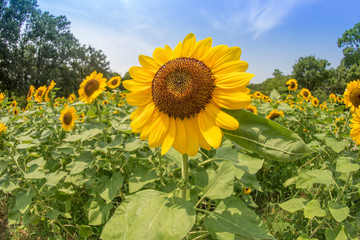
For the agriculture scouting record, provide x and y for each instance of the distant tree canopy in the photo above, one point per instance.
(37, 47)
(350, 41)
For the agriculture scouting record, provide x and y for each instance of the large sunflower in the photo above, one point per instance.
(68, 117)
(114, 82)
(179, 94)
(305, 93)
(292, 84)
(30, 93)
(2, 97)
(40, 93)
(352, 95)
(355, 126)
(92, 87)
(274, 114)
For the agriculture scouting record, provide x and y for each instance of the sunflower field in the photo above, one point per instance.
(185, 152)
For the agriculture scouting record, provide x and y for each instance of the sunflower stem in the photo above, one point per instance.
(185, 174)
(344, 126)
(100, 119)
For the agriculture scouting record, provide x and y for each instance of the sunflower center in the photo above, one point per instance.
(39, 93)
(91, 86)
(182, 87)
(306, 94)
(274, 115)
(67, 118)
(292, 84)
(114, 82)
(355, 97)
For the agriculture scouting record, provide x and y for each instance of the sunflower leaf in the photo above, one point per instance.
(266, 137)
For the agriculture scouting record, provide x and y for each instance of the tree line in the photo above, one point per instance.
(316, 74)
(37, 47)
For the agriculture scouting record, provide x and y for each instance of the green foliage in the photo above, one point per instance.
(350, 41)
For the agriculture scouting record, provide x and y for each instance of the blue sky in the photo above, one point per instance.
(272, 34)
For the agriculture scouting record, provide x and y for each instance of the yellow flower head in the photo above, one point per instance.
(81, 117)
(274, 114)
(67, 118)
(30, 92)
(305, 93)
(92, 87)
(252, 109)
(180, 93)
(247, 190)
(71, 98)
(114, 82)
(355, 126)
(2, 128)
(257, 94)
(56, 104)
(51, 86)
(122, 95)
(15, 112)
(2, 97)
(13, 104)
(332, 97)
(352, 95)
(292, 84)
(315, 101)
(105, 102)
(40, 93)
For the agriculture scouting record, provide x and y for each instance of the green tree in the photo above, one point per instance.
(312, 73)
(350, 41)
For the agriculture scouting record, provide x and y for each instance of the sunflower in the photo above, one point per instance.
(120, 104)
(105, 102)
(355, 126)
(122, 95)
(340, 99)
(179, 94)
(257, 94)
(40, 93)
(71, 98)
(30, 92)
(2, 97)
(332, 97)
(293, 85)
(274, 114)
(13, 104)
(92, 87)
(247, 190)
(114, 82)
(67, 118)
(323, 107)
(15, 112)
(252, 109)
(352, 95)
(56, 104)
(315, 102)
(2, 128)
(51, 86)
(305, 93)
(81, 117)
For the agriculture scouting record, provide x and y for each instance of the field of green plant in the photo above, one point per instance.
(76, 170)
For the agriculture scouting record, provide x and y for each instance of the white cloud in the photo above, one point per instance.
(256, 16)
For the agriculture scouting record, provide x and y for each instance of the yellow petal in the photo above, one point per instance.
(157, 136)
(169, 52)
(188, 45)
(143, 116)
(160, 56)
(140, 75)
(228, 67)
(202, 47)
(192, 139)
(231, 54)
(170, 136)
(222, 119)
(180, 141)
(150, 125)
(149, 64)
(214, 54)
(231, 99)
(132, 85)
(139, 98)
(202, 141)
(233, 80)
(177, 50)
(209, 130)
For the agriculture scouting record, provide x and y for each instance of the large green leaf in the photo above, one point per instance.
(293, 205)
(108, 188)
(150, 215)
(266, 137)
(339, 211)
(23, 200)
(313, 209)
(345, 165)
(234, 218)
(307, 178)
(141, 177)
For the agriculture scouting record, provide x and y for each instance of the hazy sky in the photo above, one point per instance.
(271, 33)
